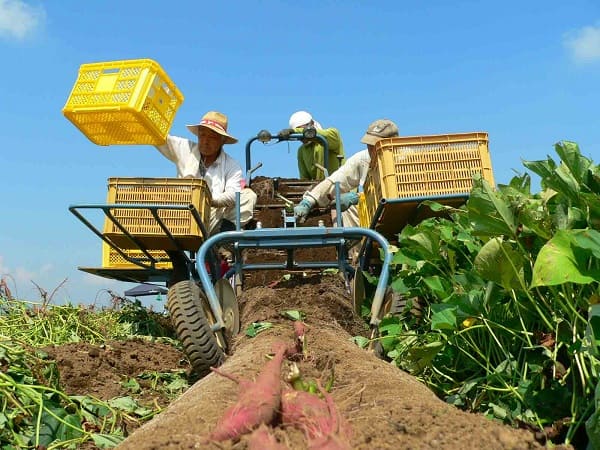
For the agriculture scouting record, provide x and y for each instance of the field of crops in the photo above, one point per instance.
(501, 319)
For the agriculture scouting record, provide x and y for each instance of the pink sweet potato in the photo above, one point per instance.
(263, 439)
(298, 349)
(317, 417)
(258, 402)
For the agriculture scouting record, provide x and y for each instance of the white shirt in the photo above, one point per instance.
(223, 176)
(350, 175)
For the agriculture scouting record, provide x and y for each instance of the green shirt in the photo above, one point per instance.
(314, 152)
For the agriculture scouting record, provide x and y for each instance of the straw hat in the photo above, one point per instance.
(215, 121)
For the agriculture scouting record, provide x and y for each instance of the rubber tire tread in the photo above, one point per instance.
(192, 328)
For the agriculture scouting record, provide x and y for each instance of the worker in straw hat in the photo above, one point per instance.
(207, 160)
(350, 176)
(312, 151)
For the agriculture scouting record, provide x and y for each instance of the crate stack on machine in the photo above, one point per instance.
(147, 229)
(408, 170)
(134, 102)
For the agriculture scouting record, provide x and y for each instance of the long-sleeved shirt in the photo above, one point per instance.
(314, 152)
(350, 176)
(223, 177)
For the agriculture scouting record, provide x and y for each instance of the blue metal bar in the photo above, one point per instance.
(292, 137)
(292, 238)
(365, 247)
(338, 208)
(87, 223)
(295, 266)
(153, 208)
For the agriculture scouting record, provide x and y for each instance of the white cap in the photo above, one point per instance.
(300, 118)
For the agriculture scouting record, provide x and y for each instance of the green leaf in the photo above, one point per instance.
(107, 440)
(399, 286)
(177, 385)
(570, 155)
(419, 357)
(132, 385)
(127, 404)
(489, 213)
(443, 317)
(95, 407)
(57, 424)
(588, 240)
(257, 327)
(565, 259)
(390, 326)
(428, 245)
(592, 425)
(498, 411)
(438, 286)
(535, 217)
(521, 184)
(293, 314)
(592, 333)
(361, 341)
(498, 262)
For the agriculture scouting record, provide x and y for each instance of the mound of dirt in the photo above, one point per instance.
(385, 407)
(101, 370)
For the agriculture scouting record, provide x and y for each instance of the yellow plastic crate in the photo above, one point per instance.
(158, 191)
(111, 259)
(422, 166)
(123, 102)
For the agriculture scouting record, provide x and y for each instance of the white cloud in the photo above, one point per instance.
(20, 20)
(584, 44)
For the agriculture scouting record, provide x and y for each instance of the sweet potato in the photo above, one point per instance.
(299, 347)
(258, 401)
(262, 439)
(317, 417)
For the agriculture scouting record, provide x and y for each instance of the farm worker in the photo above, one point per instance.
(312, 151)
(208, 160)
(350, 176)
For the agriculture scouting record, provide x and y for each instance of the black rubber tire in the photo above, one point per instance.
(184, 302)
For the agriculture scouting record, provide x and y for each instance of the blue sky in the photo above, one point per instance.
(527, 72)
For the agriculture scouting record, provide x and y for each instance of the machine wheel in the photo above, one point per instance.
(187, 305)
(358, 290)
(237, 284)
(229, 304)
(393, 303)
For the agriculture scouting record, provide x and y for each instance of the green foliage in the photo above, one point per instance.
(34, 412)
(508, 287)
(144, 321)
(257, 327)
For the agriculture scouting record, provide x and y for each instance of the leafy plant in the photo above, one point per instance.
(509, 285)
(34, 411)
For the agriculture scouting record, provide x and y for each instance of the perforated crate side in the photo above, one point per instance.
(112, 259)
(368, 201)
(425, 166)
(160, 191)
(123, 102)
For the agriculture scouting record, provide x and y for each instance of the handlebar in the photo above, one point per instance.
(266, 136)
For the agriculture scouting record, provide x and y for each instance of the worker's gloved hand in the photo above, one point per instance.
(348, 199)
(302, 209)
(285, 133)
